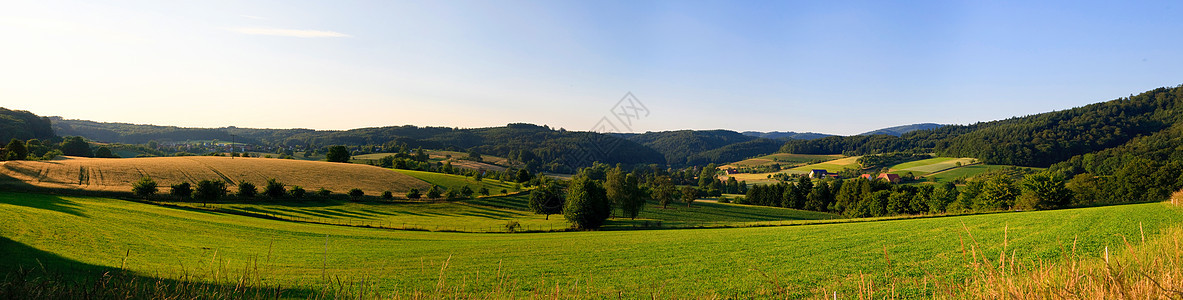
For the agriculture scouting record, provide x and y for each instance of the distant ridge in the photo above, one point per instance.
(902, 129)
(787, 135)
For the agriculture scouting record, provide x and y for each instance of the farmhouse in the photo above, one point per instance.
(818, 173)
(866, 176)
(893, 178)
(731, 171)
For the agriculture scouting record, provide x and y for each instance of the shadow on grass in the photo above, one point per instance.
(41, 201)
(27, 272)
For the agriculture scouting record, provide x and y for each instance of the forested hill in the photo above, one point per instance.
(1037, 140)
(23, 125)
(786, 135)
(678, 146)
(539, 147)
(902, 129)
(139, 134)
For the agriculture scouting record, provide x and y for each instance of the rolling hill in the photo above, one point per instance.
(1038, 140)
(114, 174)
(786, 135)
(538, 147)
(23, 125)
(902, 129)
(912, 257)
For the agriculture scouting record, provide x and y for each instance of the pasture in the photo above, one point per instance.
(966, 172)
(931, 165)
(118, 174)
(491, 214)
(784, 159)
(458, 182)
(487, 163)
(911, 257)
(833, 165)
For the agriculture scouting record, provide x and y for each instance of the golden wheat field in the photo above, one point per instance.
(118, 174)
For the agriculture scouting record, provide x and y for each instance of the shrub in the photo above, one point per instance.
(182, 190)
(338, 154)
(210, 189)
(484, 191)
(414, 194)
(466, 191)
(323, 192)
(274, 189)
(297, 192)
(387, 195)
(246, 190)
(512, 226)
(434, 192)
(146, 187)
(356, 193)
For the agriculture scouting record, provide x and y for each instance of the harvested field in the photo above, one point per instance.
(116, 174)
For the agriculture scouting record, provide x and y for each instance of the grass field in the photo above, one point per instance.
(966, 172)
(833, 165)
(64, 233)
(488, 162)
(457, 182)
(931, 165)
(117, 174)
(784, 159)
(490, 214)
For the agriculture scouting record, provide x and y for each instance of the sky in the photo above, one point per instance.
(839, 67)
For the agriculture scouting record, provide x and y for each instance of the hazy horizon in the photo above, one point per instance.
(834, 68)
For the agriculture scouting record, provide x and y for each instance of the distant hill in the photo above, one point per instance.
(789, 135)
(104, 174)
(902, 129)
(138, 134)
(678, 146)
(736, 152)
(1038, 140)
(539, 147)
(23, 125)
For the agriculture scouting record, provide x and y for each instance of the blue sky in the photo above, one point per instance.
(822, 66)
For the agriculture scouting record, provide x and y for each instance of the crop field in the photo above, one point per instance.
(785, 159)
(117, 174)
(931, 165)
(833, 165)
(490, 214)
(910, 257)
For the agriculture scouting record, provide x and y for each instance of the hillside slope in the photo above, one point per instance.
(57, 233)
(902, 129)
(678, 146)
(1035, 141)
(113, 174)
(23, 125)
(538, 147)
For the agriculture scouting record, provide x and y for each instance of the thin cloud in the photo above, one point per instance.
(252, 17)
(289, 32)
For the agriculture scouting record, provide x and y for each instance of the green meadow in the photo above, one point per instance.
(491, 214)
(457, 182)
(931, 165)
(966, 172)
(913, 255)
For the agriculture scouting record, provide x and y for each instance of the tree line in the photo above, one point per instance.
(861, 197)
